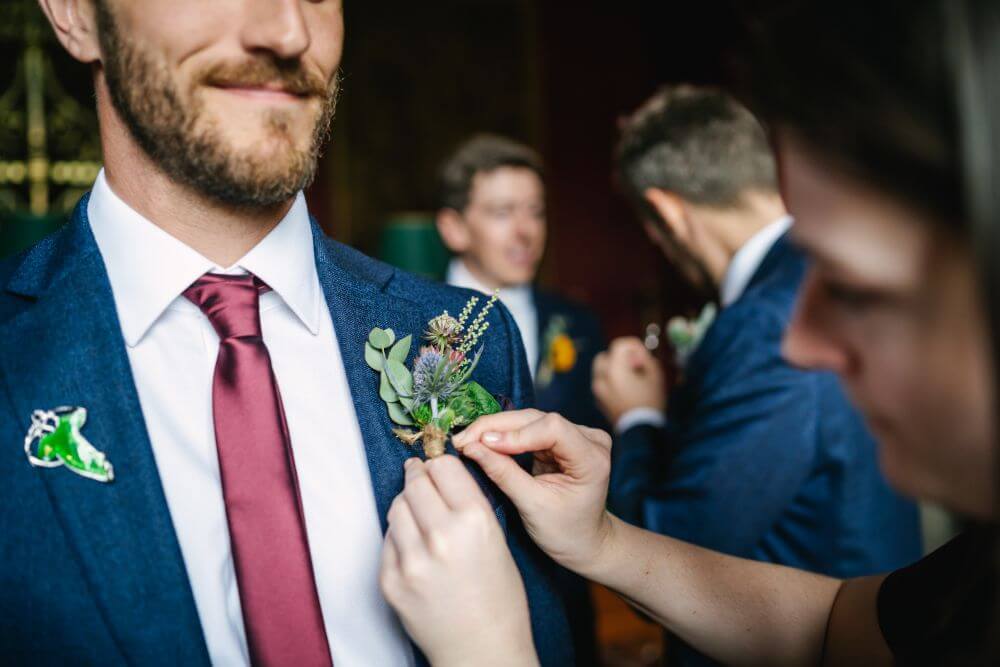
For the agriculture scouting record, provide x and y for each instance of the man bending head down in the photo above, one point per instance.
(749, 456)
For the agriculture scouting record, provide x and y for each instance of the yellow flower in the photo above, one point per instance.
(562, 353)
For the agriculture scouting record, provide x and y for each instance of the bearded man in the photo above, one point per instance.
(192, 346)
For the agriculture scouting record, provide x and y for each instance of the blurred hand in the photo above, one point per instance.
(626, 377)
(448, 573)
(562, 501)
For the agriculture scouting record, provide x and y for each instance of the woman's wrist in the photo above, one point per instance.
(604, 553)
(514, 650)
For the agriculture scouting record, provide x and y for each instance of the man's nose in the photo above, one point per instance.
(528, 224)
(277, 26)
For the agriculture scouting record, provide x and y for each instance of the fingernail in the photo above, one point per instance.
(473, 451)
(492, 437)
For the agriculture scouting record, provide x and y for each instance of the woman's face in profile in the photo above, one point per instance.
(890, 305)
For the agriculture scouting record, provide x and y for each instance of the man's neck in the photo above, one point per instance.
(219, 232)
(732, 228)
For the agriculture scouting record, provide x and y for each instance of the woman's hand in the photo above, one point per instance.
(562, 503)
(448, 573)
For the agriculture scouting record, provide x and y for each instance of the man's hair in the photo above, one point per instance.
(698, 143)
(482, 154)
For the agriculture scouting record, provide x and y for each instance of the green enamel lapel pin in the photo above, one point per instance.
(54, 439)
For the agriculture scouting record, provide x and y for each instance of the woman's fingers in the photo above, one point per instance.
(571, 448)
(405, 532)
(511, 478)
(499, 422)
(455, 484)
(423, 500)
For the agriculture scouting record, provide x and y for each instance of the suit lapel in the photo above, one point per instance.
(70, 351)
(358, 302)
(357, 305)
(543, 309)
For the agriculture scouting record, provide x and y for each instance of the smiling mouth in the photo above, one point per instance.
(264, 93)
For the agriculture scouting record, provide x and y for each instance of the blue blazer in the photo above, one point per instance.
(92, 573)
(763, 460)
(569, 393)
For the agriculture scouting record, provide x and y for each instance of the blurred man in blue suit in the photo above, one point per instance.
(492, 217)
(747, 455)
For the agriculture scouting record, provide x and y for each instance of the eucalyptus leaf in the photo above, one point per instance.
(373, 357)
(407, 402)
(398, 414)
(380, 339)
(385, 390)
(400, 377)
(401, 349)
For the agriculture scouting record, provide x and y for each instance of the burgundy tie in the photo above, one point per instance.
(281, 612)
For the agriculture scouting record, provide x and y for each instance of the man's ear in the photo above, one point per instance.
(75, 25)
(671, 210)
(453, 230)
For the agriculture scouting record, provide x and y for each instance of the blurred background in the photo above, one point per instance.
(420, 78)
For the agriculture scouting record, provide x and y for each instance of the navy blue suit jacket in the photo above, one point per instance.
(569, 393)
(763, 460)
(92, 573)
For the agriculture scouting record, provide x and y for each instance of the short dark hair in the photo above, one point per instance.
(697, 142)
(482, 153)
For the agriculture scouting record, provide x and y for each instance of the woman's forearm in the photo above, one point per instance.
(738, 611)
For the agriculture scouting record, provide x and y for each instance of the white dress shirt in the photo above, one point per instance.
(520, 301)
(738, 275)
(172, 349)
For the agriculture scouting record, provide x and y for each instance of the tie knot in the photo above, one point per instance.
(231, 303)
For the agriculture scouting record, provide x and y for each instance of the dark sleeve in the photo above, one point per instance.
(740, 447)
(939, 609)
(636, 455)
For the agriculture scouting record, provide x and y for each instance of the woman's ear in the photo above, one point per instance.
(671, 210)
(75, 25)
(453, 230)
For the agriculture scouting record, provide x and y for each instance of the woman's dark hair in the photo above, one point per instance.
(905, 96)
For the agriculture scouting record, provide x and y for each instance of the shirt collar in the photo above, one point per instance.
(149, 269)
(460, 276)
(748, 259)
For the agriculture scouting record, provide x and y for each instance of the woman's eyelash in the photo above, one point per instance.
(852, 297)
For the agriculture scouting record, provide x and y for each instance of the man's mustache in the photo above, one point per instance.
(293, 78)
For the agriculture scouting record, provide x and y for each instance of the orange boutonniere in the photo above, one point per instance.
(562, 354)
(559, 351)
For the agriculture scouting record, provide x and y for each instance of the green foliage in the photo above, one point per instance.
(385, 390)
(401, 349)
(400, 377)
(381, 339)
(471, 402)
(373, 358)
(398, 415)
(422, 414)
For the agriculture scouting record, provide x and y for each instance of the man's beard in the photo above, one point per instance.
(191, 150)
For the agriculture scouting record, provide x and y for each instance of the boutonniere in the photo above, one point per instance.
(54, 439)
(685, 334)
(559, 350)
(438, 394)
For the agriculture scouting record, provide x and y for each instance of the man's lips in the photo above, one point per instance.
(262, 92)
